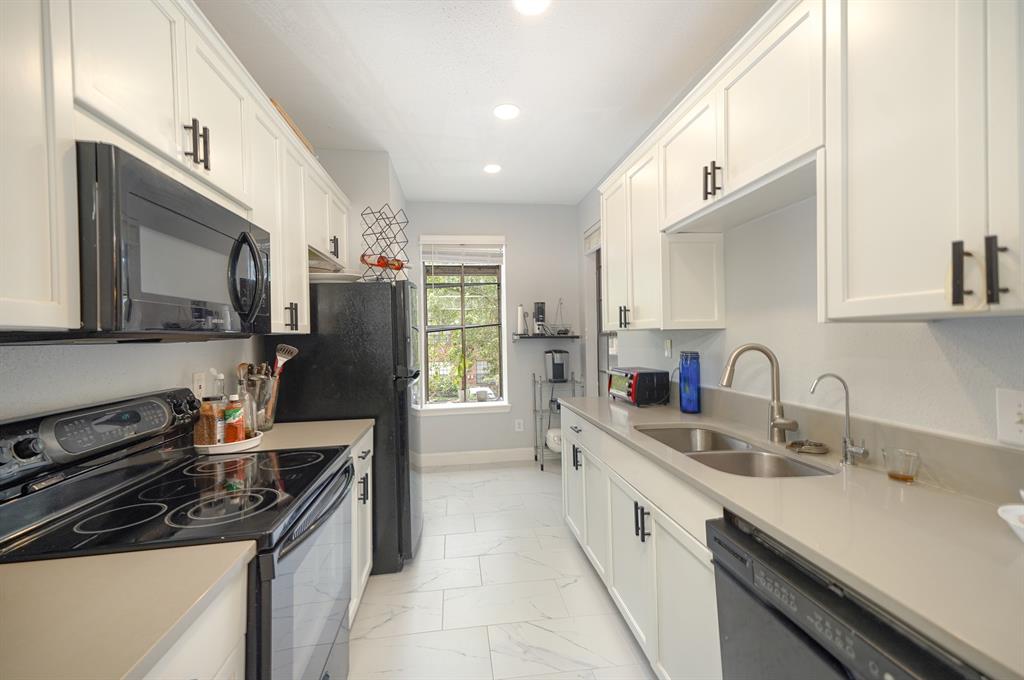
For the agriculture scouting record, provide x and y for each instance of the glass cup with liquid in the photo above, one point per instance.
(901, 464)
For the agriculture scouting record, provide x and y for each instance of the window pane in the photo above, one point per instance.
(444, 359)
(483, 304)
(444, 304)
(483, 361)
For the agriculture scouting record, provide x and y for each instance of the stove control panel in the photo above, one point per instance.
(35, 444)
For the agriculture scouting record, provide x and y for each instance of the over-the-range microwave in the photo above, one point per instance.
(159, 260)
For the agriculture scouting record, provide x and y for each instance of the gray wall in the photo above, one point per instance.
(939, 375)
(542, 264)
(49, 378)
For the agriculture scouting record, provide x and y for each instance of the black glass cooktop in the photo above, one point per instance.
(201, 499)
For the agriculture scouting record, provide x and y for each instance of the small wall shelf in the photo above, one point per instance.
(516, 336)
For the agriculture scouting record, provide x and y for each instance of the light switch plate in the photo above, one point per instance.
(1010, 416)
(519, 425)
(199, 384)
(668, 348)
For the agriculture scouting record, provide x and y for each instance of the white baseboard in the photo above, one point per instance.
(486, 457)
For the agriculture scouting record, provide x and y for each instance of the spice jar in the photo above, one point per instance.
(234, 420)
(209, 430)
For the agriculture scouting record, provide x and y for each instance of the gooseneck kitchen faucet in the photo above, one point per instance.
(778, 424)
(851, 453)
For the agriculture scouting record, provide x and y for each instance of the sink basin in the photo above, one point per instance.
(752, 463)
(730, 454)
(691, 439)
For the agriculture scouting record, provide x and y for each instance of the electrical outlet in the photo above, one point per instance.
(668, 348)
(1010, 416)
(519, 425)
(199, 384)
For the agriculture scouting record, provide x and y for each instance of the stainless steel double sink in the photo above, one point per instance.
(729, 454)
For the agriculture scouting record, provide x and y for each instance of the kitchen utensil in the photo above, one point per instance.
(284, 353)
(901, 464)
(233, 447)
(1014, 516)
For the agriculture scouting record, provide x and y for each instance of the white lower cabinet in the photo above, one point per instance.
(572, 487)
(687, 627)
(659, 574)
(595, 513)
(632, 561)
(362, 520)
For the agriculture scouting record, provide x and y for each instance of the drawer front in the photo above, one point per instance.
(362, 454)
(576, 429)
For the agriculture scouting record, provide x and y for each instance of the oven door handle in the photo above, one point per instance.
(245, 239)
(304, 530)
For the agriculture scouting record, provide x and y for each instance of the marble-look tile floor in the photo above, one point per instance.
(499, 589)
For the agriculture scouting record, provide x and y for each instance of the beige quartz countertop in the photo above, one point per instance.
(106, 616)
(943, 563)
(315, 434)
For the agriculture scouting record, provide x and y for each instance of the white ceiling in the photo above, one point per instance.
(419, 79)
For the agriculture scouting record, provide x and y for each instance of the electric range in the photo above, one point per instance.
(123, 476)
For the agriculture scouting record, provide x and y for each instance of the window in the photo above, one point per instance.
(464, 321)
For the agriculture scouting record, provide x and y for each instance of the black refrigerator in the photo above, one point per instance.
(361, 360)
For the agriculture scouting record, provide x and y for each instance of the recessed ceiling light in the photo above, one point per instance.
(506, 111)
(492, 168)
(531, 7)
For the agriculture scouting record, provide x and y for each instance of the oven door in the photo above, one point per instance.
(311, 590)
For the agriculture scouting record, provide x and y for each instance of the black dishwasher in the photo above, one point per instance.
(779, 617)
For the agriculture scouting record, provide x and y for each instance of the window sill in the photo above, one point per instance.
(463, 409)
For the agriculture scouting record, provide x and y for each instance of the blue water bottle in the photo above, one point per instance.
(689, 382)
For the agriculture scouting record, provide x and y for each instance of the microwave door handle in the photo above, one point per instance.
(261, 277)
(236, 252)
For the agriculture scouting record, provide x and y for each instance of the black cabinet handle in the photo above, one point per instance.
(206, 147)
(715, 186)
(992, 287)
(620, 315)
(365, 493)
(365, 454)
(575, 457)
(194, 129)
(625, 317)
(334, 246)
(644, 533)
(707, 182)
(292, 308)
(576, 429)
(636, 518)
(958, 272)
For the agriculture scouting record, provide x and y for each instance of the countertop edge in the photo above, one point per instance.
(178, 628)
(924, 626)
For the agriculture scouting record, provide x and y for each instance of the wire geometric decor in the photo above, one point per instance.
(384, 242)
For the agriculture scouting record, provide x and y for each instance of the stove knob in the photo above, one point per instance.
(193, 403)
(28, 448)
(178, 406)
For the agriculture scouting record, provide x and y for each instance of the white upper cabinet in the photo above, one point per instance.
(337, 226)
(130, 80)
(217, 105)
(770, 103)
(693, 275)
(293, 224)
(39, 220)
(906, 158)
(317, 199)
(643, 309)
(614, 254)
(687, 153)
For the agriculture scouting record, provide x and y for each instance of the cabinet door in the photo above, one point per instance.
(595, 515)
(694, 278)
(296, 275)
(771, 103)
(572, 488)
(317, 200)
(644, 306)
(39, 220)
(614, 254)
(687, 629)
(685, 153)
(126, 55)
(337, 222)
(632, 576)
(905, 168)
(1005, 146)
(218, 101)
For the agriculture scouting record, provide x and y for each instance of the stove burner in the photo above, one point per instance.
(212, 468)
(290, 460)
(169, 490)
(124, 517)
(223, 508)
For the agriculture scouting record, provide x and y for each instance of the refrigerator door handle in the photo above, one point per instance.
(411, 378)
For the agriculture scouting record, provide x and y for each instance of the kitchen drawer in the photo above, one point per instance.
(362, 454)
(576, 429)
(208, 644)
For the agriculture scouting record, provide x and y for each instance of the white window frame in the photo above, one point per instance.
(504, 405)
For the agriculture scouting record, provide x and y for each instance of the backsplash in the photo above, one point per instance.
(41, 378)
